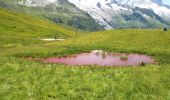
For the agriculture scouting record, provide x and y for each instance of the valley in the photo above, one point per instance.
(21, 38)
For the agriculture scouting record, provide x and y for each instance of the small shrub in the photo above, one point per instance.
(143, 63)
(124, 57)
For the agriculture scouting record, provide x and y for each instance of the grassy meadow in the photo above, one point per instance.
(21, 79)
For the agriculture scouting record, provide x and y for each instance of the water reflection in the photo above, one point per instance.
(99, 57)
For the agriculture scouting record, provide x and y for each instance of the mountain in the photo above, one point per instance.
(126, 13)
(94, 15)
(58, 11)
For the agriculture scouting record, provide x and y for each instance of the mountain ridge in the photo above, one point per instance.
(99, 14)
(109, 12)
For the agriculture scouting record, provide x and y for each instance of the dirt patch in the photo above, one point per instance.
(50, 39)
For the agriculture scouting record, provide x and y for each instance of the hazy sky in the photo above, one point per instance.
(166, 2)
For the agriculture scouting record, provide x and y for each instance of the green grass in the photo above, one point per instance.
(24, 29)
(22, 79)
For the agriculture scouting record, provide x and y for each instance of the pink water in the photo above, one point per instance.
(102, 59)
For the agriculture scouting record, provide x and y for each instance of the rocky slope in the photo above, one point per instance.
(126, 13)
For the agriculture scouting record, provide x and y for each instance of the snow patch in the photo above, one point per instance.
(36, 2)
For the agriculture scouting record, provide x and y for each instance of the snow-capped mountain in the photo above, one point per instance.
(99, 14)
(122, 13)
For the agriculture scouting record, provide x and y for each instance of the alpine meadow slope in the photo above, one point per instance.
(23, 29)
(23, 78)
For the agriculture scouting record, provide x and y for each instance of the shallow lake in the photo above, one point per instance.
(101, 58)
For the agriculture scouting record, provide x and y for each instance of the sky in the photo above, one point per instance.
(166, 2)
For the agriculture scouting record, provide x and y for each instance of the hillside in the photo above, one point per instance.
(23, 29)
(61, 12)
